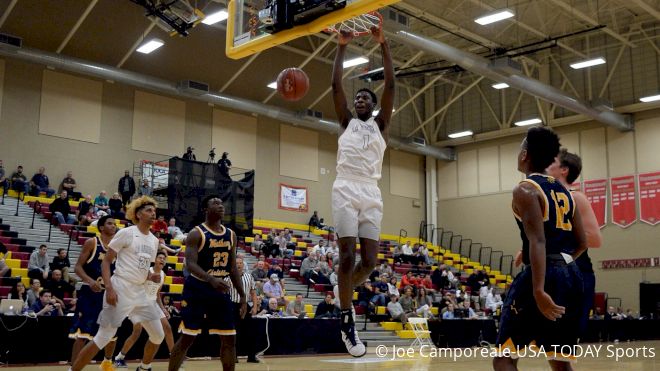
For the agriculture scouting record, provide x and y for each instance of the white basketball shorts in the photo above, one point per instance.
(131, 301)
(357, 208)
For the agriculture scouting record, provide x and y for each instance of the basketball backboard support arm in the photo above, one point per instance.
(265, 41)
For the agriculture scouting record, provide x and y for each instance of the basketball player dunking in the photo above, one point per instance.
(133, 248)
(90, 295)
(210, 257)
(357, 206)
(543, 304)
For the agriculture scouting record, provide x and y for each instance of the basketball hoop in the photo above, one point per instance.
(358, 26)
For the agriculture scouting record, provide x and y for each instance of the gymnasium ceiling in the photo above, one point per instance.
(544, 35)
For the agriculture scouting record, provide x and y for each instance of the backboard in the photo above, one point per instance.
(256, 25)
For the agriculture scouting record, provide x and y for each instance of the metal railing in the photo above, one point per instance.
(18, 201)
(466, 247)
(475, 247)
(484, 253)
(402, 233)
(445, 239)
(424, 231)
(496, 259)
(455, 247)
(435, 237)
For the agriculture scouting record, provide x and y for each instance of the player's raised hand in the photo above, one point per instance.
(378, 34)
(219, 285)
(547, 307)
(345, 37)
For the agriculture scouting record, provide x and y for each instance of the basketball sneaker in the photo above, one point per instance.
(354, 346)
(120, 363)
(106, 365)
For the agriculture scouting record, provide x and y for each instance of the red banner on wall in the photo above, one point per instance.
(577, 186)
(596, 192)
(649, 197)
(624, 200)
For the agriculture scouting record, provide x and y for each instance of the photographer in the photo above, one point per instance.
(189, 155)
(224, 164)
(46, 306)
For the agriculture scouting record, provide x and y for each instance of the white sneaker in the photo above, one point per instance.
(354, 346)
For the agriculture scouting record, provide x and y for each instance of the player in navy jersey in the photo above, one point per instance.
(543, 304)
(210, 258)
(90, 295)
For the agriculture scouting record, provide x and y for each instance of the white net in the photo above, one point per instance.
(360, 25)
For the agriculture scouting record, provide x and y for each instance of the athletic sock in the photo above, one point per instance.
(145, 366)
(107, 359)
(120, 356)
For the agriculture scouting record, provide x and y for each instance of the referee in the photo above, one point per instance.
(244, 326)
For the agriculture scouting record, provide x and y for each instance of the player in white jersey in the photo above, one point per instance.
(153, 294)
(134, 249)
(357, 206)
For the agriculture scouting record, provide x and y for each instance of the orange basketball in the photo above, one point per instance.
(292, 84)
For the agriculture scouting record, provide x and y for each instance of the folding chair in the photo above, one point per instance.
(420, 327)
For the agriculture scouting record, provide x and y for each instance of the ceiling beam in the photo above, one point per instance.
(76, 26)
(136, 44)
(5, 15)
(578, 14)
(417, 94)
(240, 71)
(649, 9)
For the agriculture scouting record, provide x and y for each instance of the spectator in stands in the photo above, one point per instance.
(169, 307)
(46, 306)
(18, 292)
(159, 225)
(483, 294)
(319, 248)
(61, 210)
(4, 183)
(424, 253)
(145, 188)
(334, 276)
(311, 271)
(270, 309)
(262, 259)
(38, 265)
(408, 280)
(385, 269)
(126, 187)
(396, 310)
(493, 301)
(426, 283)
(396, 254)
(257, 243)
(40, 183)
(69, 185)
(273, 290)
(61, 262)
(327, 308)
(449, 313)
(19, 181)
(276, 270)
(84, 213)
(334, 250)
(325, 227)
(59, 288)
(279, 245)
(391, 287)
(175, 232)
(4, 268)
(424, 303)
(115, 206)
(296, 308)
(406, 253)
(470, 312)
(314, 220)
(365, 294)
(260, 273)
(439, 281)
(453, 280)
(408, 302)
(33, 291)
(224, 164)
(101, 204)
(380, 289)
(324, 266)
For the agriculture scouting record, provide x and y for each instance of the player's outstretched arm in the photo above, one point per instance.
(589, 221)
(579, 232)
(387, 99)
(527, 204)
(338, 96)
(110, 294)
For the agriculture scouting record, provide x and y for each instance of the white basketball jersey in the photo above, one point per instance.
(152, 287)
(361, 150)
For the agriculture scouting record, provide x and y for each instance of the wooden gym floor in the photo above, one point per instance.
(605, 361)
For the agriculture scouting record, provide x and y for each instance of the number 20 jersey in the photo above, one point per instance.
(361, 149)
(214, 251)
(558, 211)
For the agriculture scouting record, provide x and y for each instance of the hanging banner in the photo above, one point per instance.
(596, 192)
(577, 186)
(649, 197)
(624, 203)
(293, 198)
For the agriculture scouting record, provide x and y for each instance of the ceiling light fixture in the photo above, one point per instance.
(150, 46)
(528, 122)
(587, 63)
(272, 85)
(216, 17)
(494, 17)
(460, 134)
(651, 98)
(501, 85)
(355, 62)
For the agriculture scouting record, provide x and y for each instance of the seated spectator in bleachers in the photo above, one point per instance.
(296, 308)
(40, 183)
(69, 185)
(169, 307)
(408, 280)
(61, 262)
(115, 206)
(408, 302)
(46, 305)
(325, 227)
(145, 188)
(319, 248)
(439, 280)
(493, 301)
(174, 231)
(375, 275)
(385, 269)
(465, 311)
(277, 247)
(4, 182)
(426, 283)
(18, 292)
(396, 310)
(424, 303)
(273, 290)
(61, 210)
(391, 287)
(159, 225)
(324, 266)
(59, 288)
(260, 273)
(38, 266)
(334, 276)
(483, 294)
(407, 253)
(271, 309)
(276, 270)
(449, 313)
(257, 243)
(33, 291)
(334, 250)
(19, 181)
(396, 254)
(314, 220)
(327, 308)
(311, 270)
(365, 294)
(101, 204)
(262, 259)
(85, 214)
(380, 289)
(424, 253)
(453, 280)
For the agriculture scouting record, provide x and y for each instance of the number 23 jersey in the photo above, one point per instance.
(214, 251)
